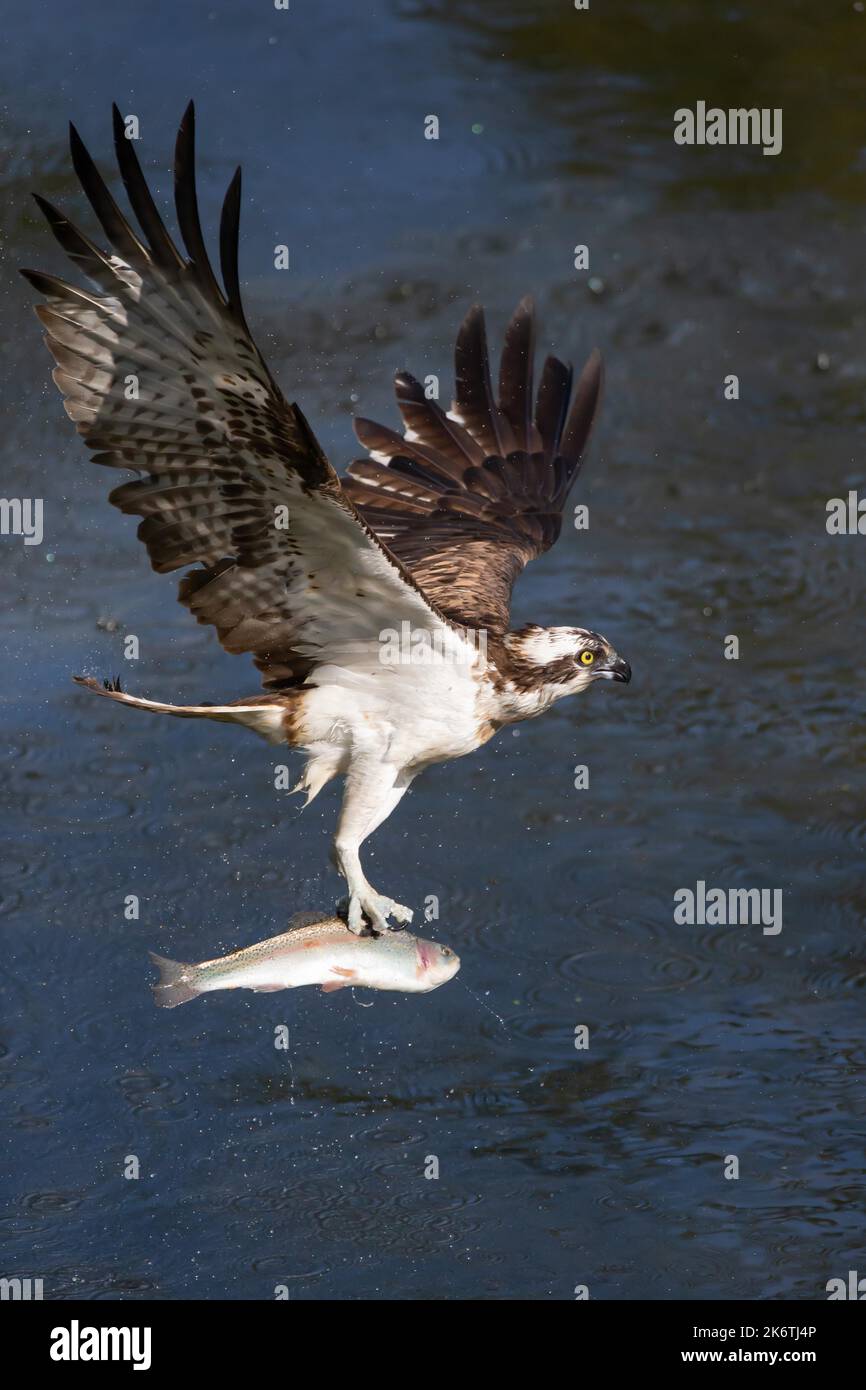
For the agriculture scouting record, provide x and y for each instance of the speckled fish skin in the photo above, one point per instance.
(320, 952)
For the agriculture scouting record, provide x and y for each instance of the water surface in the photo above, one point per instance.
(557, 1167)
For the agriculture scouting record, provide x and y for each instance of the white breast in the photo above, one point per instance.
(416, 712)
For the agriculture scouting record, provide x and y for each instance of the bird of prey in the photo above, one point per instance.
(376, 606)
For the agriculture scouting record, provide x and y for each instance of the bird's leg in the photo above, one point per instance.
(372, 791)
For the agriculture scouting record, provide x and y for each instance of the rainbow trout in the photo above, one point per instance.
(321, 951)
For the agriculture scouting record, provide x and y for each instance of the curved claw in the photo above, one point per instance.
(369, 912)
(402, 915)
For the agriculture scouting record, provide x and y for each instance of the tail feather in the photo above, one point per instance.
(176, 984)
(262, 716)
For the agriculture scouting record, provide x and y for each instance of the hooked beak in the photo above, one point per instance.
(618, 670)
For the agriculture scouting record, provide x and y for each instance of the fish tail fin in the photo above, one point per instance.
(176, 984)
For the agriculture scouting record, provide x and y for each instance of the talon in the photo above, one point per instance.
(364, 919)
(368, 914)
(402, 915)
(355, 917)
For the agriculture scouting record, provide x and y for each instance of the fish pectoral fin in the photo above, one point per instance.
(348, 975)
(267, 989)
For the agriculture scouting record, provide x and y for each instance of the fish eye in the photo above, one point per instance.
(446, 951)
(587, 657)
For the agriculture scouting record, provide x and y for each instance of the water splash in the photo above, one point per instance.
(485, 1005)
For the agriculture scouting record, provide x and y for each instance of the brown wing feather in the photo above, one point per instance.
(467, 500)
(161, 375)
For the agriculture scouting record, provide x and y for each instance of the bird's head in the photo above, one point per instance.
(563, 660)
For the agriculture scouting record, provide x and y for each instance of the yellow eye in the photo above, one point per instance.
(587, 658)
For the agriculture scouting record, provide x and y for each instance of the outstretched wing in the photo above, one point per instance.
(466, 499)
(161, 376)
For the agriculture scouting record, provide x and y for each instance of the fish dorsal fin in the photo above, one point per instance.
(307, 918)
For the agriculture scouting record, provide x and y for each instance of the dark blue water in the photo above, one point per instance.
(557, 1167)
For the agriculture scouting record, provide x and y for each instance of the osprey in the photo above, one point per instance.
(376, 606)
